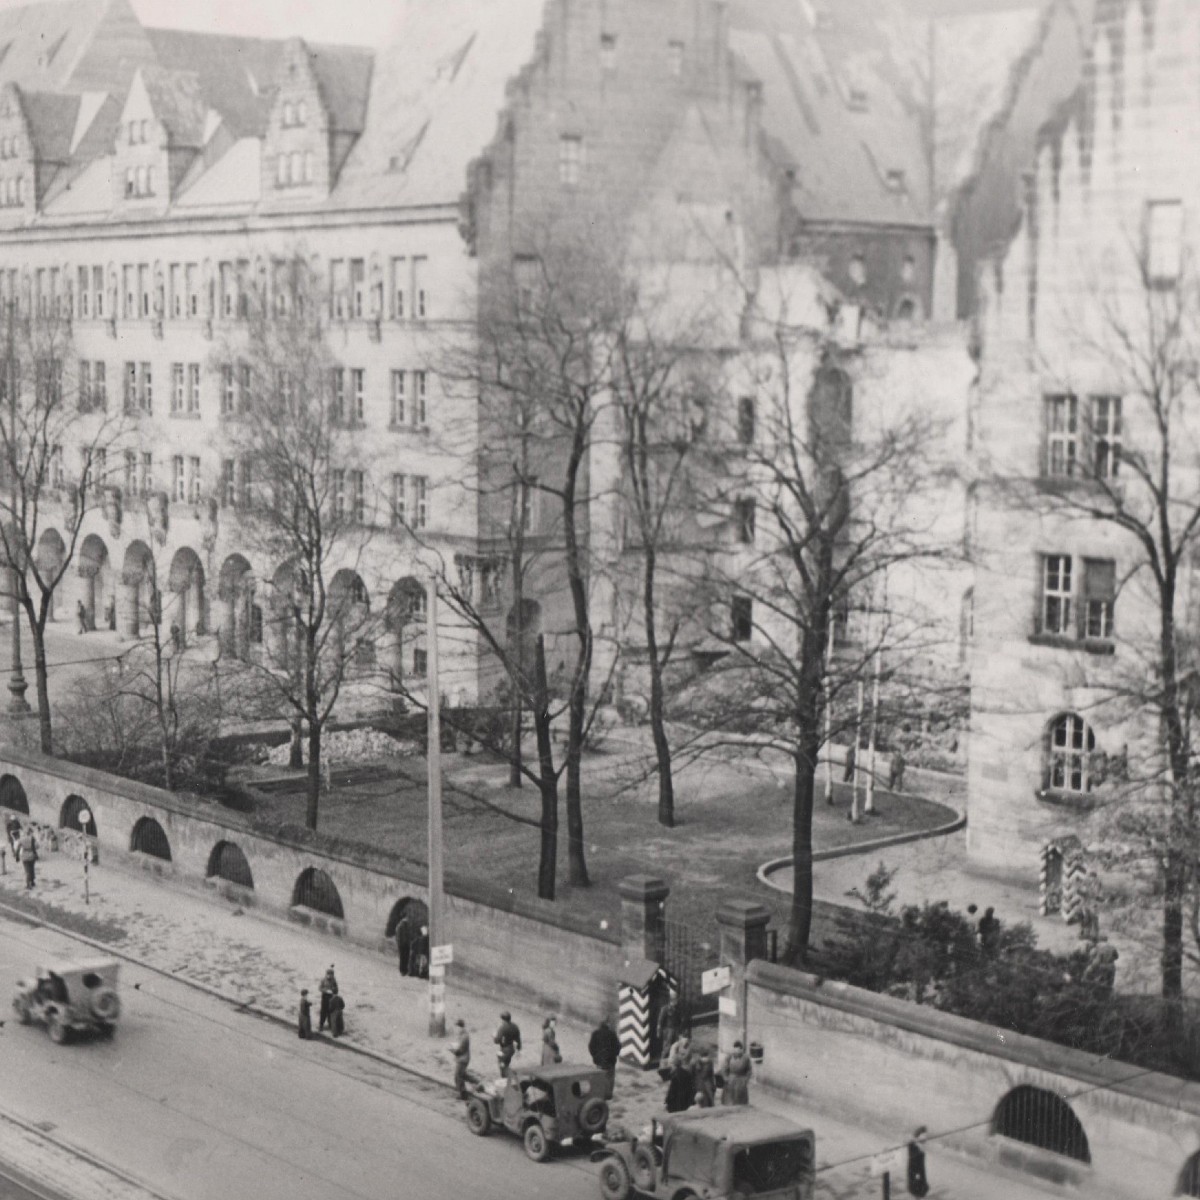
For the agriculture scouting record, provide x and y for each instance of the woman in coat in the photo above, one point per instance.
(737, 1076)
(681, 1081)
(705, 1080)
(550, 1050)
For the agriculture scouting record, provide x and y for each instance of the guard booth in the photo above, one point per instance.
(645, 988)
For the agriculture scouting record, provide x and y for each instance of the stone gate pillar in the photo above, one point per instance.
(743, 926)
(643, 916)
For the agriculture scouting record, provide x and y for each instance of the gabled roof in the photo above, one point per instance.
(435, 96)
(178, 102)
(344, 76)
(39, 43)
(51, 117)
(837, 108)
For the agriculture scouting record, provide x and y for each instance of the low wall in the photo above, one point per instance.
(499, 940)
(897, 1065)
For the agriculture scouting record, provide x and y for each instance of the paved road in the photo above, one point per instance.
(198, 1101)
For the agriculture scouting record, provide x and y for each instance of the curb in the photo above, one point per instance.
(215, 994)
(765, 872)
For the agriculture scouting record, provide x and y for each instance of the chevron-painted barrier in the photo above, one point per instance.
(635, 1014)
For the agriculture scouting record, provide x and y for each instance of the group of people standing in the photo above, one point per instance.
(333, 1007)
(412, 947)
(693, 1078)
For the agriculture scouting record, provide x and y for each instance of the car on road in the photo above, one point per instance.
(79, 996)
(714, 1154)
(544, 1106)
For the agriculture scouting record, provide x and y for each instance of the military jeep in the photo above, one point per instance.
(544, 1106)
(71, 997)
(712, 1154)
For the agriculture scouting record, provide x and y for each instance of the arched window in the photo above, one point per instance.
(150, 838)
(12, 794)
(1071, 747)
(68, 817)
(1040, 1118)
(228, 862)
(314, 889)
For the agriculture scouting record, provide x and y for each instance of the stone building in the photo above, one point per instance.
(1065, 613)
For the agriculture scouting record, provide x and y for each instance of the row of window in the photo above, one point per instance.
(139, 181)
(10, 147)
(188, 287)
(294, 169)
(12, 191)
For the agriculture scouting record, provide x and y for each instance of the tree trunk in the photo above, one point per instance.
(314, 775)
(514, 762)
(577, 870)
(1174, 893)
(41, 679)
(658, 726)
(295, 748)
(547, 779)
(800, 914)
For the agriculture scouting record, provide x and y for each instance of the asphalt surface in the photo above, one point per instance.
(193, 1100)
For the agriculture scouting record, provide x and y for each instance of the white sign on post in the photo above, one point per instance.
(715, 980)
(891, 1162)
(441, 956)
(727, 1006)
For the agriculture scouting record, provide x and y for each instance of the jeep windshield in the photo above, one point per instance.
(771, 1166)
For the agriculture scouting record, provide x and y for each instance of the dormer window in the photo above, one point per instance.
(139, 181)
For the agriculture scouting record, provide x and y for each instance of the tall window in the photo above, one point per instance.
(191, 275)
(99, 385)
(743, 516)
(146, 389)
(358, 388)
(742, 618)
(193, 479)
(177, 388)
(244, 387)
(85, 385)
(176, 285)
(84, 293)
(746, 420)
(228, 395)
(570, 160)
(419, 307)
(1072, 744)
(98, 290)
(1056, 594)
(420, 386)
(358, 288)
(420, 507)
(339, 492)
(178, 483)
(144, 289)
(399, 287)
(229, 495)
(358, 497)
(399, 406)
(193, 397)
(1062, 435)
(337, 379)
(130, 473)
(399, 500)
(1164, 242)
(1099, 597)
(146, 483)
(1106, 435)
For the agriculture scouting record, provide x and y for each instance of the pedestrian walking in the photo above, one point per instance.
(329, 989)
(337, 1020)
(176, 637)
(681, 1086)
(668, 1026)
(550, 1051)
(81, 616)
(460, 1050)
(605, 1048)
(305, 1019)
(918, 1184)
(508, 1041)
(737, 1076)
(989, 931)
(27, 852)
(404, 937)
(848, 769)
(896, 771)
(704, 1078)
(418, 954)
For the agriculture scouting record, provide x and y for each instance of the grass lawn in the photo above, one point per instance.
(732, 817)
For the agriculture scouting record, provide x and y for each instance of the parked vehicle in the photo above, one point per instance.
(714, 1153)
(71, 997)
(544, 1106)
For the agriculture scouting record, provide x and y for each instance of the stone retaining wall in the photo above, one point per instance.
(499, 941)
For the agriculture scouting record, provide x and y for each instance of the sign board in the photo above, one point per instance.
(715, 980)
(727, 1006)
(441, 956)
(85, 819)
(891, 1162)
(437, 971)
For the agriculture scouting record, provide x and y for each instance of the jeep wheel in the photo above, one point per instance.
(615, 1183)
(106, 1005)
(537, 1146)
(593, 1116)
(479, 1119)
(21, 1008)
(56, 1028)
(645, 1167)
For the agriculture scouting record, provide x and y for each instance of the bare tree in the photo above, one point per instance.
(304, 502)
(824, 500)
(46, 410)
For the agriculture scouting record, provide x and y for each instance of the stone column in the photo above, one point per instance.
(743, 927)
(130, 619)
(87, 581)
(226, 629)
(643, 916)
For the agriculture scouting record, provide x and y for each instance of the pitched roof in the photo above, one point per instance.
(435, 96)
(39, 43)
(52, 117)
(344, 75)
(837, 108)
(178, 102)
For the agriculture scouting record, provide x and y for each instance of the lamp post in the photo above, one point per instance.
(85, 819)
(433, 758)
(17, 704)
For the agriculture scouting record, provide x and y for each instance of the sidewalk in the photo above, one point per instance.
(261, 963)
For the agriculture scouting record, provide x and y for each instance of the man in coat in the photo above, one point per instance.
(460, 1050)
(918, 1184)
(508, 1041)
(329, 989)
(605, 1048)
(27, 851)
(337, 1023)
(305, 1016)
(737, 1076)
(403, 937)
